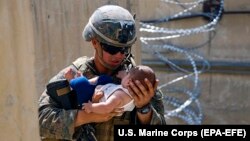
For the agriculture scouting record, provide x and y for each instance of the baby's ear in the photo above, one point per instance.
(129, 80)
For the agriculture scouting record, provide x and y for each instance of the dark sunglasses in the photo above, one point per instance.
(113, 50)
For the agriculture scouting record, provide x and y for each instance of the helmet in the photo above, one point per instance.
(112, 25)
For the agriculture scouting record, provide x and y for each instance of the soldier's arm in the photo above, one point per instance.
(54, 121)
(83, 117)
(157, 107)
(155, 112)
(158, 110)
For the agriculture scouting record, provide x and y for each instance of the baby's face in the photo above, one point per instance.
(121, 74)
(125, 81)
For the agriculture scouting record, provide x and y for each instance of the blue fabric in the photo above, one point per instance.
(84, 89)
(104, 79)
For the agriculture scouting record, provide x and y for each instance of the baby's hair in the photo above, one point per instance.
(141, 72)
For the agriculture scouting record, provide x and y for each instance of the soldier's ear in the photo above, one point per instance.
(94, 42)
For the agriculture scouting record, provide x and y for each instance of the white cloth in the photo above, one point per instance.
(109, 89)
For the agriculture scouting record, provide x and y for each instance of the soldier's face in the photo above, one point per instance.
(113, 60)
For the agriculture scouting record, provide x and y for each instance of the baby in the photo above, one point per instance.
(115, 96)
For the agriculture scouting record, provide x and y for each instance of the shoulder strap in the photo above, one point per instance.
(84, 65)
(80, 63)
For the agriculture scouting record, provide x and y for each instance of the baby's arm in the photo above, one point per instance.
(69, 74)
(104, 107)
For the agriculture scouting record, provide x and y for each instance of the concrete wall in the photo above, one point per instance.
(18, 105)
(226, 96)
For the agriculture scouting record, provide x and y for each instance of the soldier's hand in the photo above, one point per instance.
(141, 95)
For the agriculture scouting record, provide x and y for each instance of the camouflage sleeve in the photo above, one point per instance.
(55, 122)
(158, 110)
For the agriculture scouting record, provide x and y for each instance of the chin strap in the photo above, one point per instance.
(129, 62)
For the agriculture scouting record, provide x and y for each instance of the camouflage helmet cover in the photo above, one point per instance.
(112, 25)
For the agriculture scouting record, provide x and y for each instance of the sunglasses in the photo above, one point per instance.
(113, 50)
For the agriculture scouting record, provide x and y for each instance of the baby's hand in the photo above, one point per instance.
(69, 74)
(97, 96)
(87, 107)
(78, 74)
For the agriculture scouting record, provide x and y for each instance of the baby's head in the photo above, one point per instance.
(140, 73)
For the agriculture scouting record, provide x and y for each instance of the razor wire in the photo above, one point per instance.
(189, 110)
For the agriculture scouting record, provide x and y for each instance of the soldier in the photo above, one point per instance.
(111, 30)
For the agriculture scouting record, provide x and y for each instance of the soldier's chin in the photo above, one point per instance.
(115, 64)
(111, 66)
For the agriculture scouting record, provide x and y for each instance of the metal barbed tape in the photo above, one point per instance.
(189, 110)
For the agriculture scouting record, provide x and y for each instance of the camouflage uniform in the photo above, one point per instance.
(58, 124)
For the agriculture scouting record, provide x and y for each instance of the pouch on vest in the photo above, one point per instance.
(60, 92)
